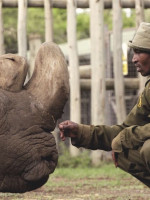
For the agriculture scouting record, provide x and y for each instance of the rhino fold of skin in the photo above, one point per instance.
(28, 114)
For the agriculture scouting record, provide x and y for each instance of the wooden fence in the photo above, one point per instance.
(96, 71)
(80, 3)
(97, 53)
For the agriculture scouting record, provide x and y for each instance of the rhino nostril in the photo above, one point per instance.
(47, 158)
(50, 163)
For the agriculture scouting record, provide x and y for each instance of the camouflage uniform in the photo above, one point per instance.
(132, 139)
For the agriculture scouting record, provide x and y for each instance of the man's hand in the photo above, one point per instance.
(68, 129)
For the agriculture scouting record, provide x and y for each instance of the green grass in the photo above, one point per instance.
(97, 176)
(99, 183)
(91, 172)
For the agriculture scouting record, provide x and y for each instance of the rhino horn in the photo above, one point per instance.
(49, 83)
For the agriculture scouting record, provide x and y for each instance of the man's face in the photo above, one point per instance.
(141, 61)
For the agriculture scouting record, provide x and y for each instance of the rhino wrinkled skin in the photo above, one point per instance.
(28, 115)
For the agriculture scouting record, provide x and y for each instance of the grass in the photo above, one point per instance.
(92, 172)
(103, 183)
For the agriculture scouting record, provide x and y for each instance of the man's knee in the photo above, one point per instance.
(145, 153)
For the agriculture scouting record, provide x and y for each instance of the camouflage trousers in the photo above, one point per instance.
(137, 162)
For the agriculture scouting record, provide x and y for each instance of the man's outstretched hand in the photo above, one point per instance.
(68, 129)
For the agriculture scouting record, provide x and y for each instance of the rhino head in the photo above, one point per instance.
(28, 115)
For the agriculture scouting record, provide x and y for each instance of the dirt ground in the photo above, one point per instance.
(100, 188)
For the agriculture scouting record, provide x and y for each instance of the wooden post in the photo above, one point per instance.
(97, 62)
(117, 60)
(97, 68)
(48, 20)
(139, 7)
(34, 44)
(1, 30)
(74, 67)
(22, 33)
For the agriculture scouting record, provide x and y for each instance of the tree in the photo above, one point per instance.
(36, 24)
(10, 29)
(83, 21)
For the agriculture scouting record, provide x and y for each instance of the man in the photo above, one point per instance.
(130, 141)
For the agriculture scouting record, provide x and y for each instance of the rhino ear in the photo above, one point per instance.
(13, 71)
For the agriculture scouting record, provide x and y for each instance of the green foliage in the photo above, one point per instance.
(10, 29)
(10, 18)
(83, 160)
(147, 15)
(108, 18)
(66, 160)
(60, 23)
(36, 24)
(35, 21)
(83, 23)
(129, 21)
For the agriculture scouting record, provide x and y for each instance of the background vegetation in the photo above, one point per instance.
(35, 24)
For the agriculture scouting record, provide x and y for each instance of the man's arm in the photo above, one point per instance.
(91, 137)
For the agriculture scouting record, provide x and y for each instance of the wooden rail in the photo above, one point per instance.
(130, 83)
(80, 3)
(85, 80)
